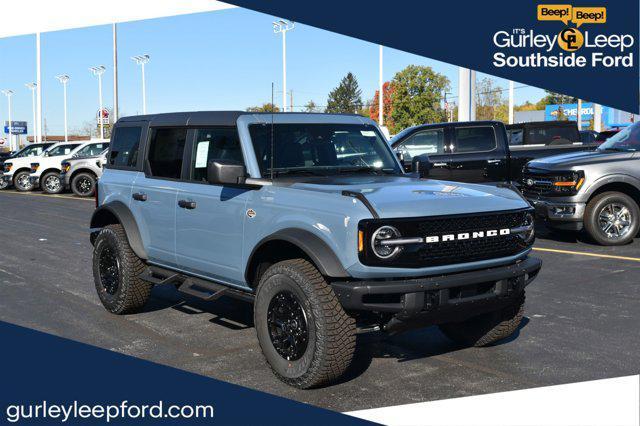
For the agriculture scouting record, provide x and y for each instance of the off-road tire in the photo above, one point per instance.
(132, 292)
(596, 205)
(44, 187)
(75, 181)
(488, 328)
(332, 333)
(19, 187)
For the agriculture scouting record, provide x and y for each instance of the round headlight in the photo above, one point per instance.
(382, 250)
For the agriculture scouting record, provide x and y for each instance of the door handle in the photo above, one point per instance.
(189, 205)
(139, 196)
(494, 161)
(440, 164)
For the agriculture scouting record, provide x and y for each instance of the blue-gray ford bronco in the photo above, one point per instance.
(311, 218)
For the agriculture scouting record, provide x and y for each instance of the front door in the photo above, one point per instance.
(154, 194)
(476, 156)
(430, 142)
(210, 218)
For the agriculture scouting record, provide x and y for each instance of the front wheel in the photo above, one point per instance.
(306, 337)
(488, 328)
(51, 183)
(612, 219)
(21, 181)
(116, 272)
(83, 184)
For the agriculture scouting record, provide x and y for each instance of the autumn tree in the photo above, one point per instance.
(311, 106)
(490, 104)
(387, 94)
(267, 107)
(346, 98)
(417, 96)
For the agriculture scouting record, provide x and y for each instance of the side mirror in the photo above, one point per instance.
(226, 172)
(421, 165)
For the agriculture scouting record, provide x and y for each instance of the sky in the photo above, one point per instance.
(222, 60)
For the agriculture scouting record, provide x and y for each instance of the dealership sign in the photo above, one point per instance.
(17, 127)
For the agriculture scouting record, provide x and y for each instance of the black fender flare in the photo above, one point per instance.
(102, 217)
(317, 250)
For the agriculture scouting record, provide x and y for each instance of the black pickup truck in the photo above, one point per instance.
(474, 152)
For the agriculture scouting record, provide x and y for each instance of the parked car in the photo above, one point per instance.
(45, 171)
(31, 150)
(543, 133)
(598, 190)
(588, 136)
(472, 152)
(17, 170)
(80, 174)
(311, 218)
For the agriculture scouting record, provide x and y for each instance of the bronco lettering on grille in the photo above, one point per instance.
(466, 235)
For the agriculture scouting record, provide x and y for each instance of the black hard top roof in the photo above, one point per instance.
(201, 118)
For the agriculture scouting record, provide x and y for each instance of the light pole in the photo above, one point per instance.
(32, 87)
(8, 93)
(64, 79)
(142, 60)
(98, 71)
(283, 26)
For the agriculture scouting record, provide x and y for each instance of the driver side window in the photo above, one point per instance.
(220, 143)
(429, 142)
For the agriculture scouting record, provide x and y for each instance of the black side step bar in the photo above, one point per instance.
(193, 286)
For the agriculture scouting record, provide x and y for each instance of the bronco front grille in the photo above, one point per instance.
(441, 253)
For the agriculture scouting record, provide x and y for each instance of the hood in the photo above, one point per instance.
(577, 159)
(395, 196)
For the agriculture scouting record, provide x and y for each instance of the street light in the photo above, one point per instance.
(8, 93)
(142, 60)
(283, 26)
(32, 87)
(64, 79)
(98, 71)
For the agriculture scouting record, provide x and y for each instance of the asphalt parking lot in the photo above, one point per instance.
(581, 319)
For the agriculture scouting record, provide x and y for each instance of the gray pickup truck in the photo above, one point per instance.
(598, 191)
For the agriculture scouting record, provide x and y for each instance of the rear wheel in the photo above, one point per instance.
(21, 181)
(305, 335)
(83, 184)
(487, 328)
(612, 219)
(51, 183)
(116, 272)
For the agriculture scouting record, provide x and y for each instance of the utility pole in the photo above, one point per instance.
(283, 26)
(115, 72)
(291, 100)
(380, 89)
(32, 87)
(142, 60)
(98, 71)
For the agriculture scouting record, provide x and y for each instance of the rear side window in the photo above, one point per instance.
(475, 139)
(92, 149)
(214, 144)
(166, 151)
(62, 150)
(125, 146)
(551, 135)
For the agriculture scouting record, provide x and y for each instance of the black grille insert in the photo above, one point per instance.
(440, 253)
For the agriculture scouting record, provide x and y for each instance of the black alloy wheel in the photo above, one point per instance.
(287, 323)
(109, 269)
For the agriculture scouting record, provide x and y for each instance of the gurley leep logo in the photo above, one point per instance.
(570, 48)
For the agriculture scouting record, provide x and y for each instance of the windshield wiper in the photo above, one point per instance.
(375, 170)
(297, 172)
(613, 149)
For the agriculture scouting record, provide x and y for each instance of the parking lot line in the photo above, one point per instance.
(32, 194)
(582, 253)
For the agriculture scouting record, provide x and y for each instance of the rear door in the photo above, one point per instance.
(477, 156)
(155, 191)
(433, 142)
(210, 218)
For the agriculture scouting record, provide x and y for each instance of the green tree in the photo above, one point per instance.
(417, 96)
(490, 104)
(268, 107)
(553, 98)
(311, 107)
(346, 98)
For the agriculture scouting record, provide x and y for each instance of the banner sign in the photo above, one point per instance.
(17, 127)
(588, 50)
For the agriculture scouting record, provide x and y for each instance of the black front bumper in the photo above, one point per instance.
(439, 299)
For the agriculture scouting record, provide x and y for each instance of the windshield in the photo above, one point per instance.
(322, 149)
(61, 150)
(627, 139)
(30, 151)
